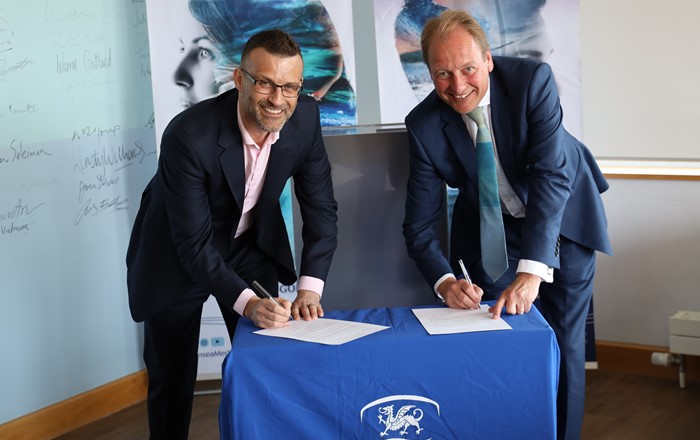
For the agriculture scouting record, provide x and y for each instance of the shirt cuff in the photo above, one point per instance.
(243, 298)
(536, 268)
(312, 284)
(439, 281)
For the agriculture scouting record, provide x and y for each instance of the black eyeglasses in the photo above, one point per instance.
(268, 88)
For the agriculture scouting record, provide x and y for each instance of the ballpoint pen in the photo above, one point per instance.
(266, 294)
(466, 277)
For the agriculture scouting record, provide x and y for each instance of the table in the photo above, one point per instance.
(397, 383)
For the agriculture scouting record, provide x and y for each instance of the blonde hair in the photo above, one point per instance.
(443, 25)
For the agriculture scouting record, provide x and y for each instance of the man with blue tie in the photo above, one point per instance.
(528, 217)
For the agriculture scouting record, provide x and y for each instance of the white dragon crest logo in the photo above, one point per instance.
(403, 419)
(409, 414)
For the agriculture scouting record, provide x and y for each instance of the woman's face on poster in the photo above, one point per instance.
(196, 72)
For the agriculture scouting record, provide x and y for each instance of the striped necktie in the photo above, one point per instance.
(493, 242)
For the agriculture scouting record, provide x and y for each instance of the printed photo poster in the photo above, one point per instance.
(546, 30)
(195, 45)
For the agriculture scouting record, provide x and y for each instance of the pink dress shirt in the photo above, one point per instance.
(256, 159)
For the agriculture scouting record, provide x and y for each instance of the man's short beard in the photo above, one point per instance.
(255, 110)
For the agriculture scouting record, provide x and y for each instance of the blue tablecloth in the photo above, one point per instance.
(397, 383)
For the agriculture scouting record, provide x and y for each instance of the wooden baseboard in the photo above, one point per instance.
(636, 359)
(78, 411)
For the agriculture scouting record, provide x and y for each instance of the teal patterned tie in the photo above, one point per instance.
(493, 240)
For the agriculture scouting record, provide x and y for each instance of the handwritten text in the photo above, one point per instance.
(115, 157)
(92, 208)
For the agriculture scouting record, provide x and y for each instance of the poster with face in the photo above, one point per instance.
(195, 46)
(545, 30)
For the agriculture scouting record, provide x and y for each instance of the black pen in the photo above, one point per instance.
(266, 294)
(466, 277)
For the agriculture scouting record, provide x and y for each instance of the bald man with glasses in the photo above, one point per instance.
(210, 221)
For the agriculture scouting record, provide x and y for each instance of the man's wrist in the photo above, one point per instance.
(243, 300)
(250, 305)
(312, 284)
(307, 291)
(545, 272)
(440, 283)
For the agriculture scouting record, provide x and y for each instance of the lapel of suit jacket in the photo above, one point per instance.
(231, 141)
(458, 136)
(500, 119)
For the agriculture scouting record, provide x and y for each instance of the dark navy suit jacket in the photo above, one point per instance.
(185, 227)
(553, 174)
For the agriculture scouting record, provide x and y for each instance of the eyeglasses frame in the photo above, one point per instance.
(257, 87)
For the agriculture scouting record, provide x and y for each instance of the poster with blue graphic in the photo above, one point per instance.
(546, 30)
(195, 46)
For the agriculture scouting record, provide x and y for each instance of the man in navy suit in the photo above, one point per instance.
(210, 221)
(549, 188)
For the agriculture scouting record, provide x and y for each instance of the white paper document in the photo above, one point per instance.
(323, 331)
(444, 320)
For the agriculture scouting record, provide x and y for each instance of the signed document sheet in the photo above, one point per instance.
(323, 331)
(444, 320)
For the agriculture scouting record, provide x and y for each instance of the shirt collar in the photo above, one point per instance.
(486, 100)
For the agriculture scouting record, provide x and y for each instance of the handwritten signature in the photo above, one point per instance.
(95, 131)
(19, 210)
(102, 181)
(115, 157)
(92, 208)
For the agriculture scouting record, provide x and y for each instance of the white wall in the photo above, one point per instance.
(655, 270)
(640, 100)
(640, 68)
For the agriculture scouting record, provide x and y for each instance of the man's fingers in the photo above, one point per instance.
(308, 311)
(498, 307)
(268, 315)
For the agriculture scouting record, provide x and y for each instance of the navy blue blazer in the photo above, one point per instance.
(185, 227)
(554, 175)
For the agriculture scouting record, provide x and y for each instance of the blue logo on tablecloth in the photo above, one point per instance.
(218, 341)
(400, 414)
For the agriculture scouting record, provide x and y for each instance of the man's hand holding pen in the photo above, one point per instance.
(461, 293)
(267, 311)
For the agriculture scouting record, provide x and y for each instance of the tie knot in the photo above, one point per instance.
(477, 115)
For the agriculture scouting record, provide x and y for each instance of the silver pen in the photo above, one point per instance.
(466, 277)
(266, 294)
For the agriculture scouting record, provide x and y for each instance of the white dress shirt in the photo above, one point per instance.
(510, 202)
